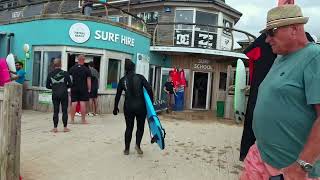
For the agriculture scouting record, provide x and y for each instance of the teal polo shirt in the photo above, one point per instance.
(284, 112)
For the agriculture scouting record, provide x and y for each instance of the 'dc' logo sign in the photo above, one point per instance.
(79, 33)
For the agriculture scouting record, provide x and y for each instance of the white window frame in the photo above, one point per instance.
(43, 49)
(194, 21)
(208, 95)
(113, 55)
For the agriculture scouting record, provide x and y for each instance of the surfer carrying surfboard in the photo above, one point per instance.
(134, 104)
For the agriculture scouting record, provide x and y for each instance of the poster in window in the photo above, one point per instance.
(149, 17)
(227, 24)
(226, 43)
(205, 40)
(142, 66)
(183, 38)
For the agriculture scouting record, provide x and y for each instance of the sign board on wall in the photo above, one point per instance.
(227, 24)
(203, 65)
(45, 98)
(183, 38)
(142, 65)
(80, 33)
(205, 40)
(226, 43)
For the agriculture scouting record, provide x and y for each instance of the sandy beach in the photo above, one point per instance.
(198, 146)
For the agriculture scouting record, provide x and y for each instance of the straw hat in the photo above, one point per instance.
(284, 15)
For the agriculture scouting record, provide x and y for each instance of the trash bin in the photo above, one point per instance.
(220, 109)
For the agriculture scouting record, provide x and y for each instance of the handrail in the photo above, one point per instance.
(73, 10)
(249, 36)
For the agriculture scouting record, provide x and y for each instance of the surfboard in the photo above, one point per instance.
(157, 133)
(239, 92)
(11, 63)
(4, 72)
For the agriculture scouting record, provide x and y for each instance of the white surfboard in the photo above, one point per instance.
(11, 63)
(239, 93)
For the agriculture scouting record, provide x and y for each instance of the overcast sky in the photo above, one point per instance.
(254, 14)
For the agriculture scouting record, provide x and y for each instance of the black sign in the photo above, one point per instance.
(205, 40)
(183, 38)
(227, 24)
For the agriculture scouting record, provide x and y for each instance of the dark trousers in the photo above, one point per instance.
(56, 107)
(141, 118)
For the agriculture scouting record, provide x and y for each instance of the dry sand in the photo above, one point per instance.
(196, 149)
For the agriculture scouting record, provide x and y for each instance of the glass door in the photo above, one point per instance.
(201, 85)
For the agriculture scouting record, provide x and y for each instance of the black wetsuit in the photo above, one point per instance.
(79, 89)
(134, 105)
(59, 81)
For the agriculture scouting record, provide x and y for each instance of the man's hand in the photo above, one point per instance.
(294, 172)
(115, 111)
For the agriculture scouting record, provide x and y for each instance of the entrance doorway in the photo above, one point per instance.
(201, 90)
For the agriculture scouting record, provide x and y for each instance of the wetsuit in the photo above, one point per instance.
(134, 105)
(59, 81)
(79, 89)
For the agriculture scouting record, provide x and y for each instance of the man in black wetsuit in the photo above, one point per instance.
(134, 105)
(59, 81)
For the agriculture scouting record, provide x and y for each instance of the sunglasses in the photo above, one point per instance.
(271, 32)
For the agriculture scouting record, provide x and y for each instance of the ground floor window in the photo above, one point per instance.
(109, 64)
(114, 73)
(42, 66)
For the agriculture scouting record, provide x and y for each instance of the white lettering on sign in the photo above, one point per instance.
(203, 61)
(183, 39)
(113, 37)
(202, 67)
(206, 40)
(79, 33)
(17, 14)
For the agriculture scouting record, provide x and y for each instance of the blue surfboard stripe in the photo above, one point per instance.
(154, 121)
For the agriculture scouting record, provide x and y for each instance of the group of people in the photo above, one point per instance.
(82, 81)
(286, 118)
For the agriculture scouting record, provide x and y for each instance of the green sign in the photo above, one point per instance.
(45, 98)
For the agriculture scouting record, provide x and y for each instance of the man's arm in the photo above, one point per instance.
(148, 87)
(89, 83)
(118, 95)
(49, 83)
(165, 89)
(69, 82)
(88, 79)
(311, 150)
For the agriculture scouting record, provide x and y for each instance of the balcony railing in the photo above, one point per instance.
(65, 7)
(196, 36)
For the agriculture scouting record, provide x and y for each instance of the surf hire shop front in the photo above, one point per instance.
(106, 44)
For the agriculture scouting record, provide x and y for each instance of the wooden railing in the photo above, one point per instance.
(168, 34)
(10, 131)
(63, 7)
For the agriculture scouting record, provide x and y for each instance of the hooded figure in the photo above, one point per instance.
(134, 104)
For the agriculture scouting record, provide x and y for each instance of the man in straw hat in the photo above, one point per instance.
(286, 118)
